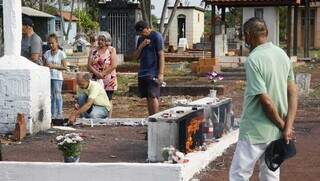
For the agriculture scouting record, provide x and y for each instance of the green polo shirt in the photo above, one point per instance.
(268, 69)
(97, 93)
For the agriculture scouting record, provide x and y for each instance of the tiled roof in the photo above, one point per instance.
(66, 16)
(253, 2)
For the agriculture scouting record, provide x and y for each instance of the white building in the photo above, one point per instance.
(78, 4)
(188, 22)
(270, 15)
(73, 29)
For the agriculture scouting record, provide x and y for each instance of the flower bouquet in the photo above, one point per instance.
(214, 77)
(70, 145)
(171, 155)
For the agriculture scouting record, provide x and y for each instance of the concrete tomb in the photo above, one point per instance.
(24, 86)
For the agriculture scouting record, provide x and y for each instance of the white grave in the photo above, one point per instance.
(303, 82)
(24, 86)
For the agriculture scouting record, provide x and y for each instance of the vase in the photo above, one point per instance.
(71, 159)
(213, 93)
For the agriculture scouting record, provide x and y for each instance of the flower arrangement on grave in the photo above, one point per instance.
(172, 155)
(70, 146)
(214, 77)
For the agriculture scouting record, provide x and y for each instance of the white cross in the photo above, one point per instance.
(12, 23)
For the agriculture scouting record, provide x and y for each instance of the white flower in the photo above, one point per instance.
(77, 138)
(59, 138)
(68, 140)
(62, 143)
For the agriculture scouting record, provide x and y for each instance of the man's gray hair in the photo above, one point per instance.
(255, 26)
(107, 36)
(84, 76)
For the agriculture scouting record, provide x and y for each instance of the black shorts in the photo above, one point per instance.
(148, 87)
(109, 94)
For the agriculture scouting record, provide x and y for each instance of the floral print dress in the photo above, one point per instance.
(100, 62)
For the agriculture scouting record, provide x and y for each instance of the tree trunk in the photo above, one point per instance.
(70, 19)
(170, 19)
(163, 15)
(64, 32)
(61, 18)
(144, 11)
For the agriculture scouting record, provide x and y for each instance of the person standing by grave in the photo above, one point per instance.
(270, 103)
(102, 64)
(55, 60)
(31, 43)
(151, 55)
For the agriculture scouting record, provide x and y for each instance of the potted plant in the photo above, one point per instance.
(70, 145)
(214, 77)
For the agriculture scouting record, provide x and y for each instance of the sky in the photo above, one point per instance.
(159, 5)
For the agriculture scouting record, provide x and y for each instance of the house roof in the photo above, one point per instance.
(35, 13)
(188, 7)
(66, 16)
(253, 2)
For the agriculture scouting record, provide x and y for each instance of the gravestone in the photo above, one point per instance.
(24, 85)
(303, 83)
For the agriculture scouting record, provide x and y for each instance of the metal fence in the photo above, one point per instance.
(117, 27)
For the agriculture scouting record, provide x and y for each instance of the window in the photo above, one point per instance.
(258, 13)
(198, 17)
(58, 25)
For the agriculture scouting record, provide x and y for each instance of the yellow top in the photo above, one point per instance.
(97, 93)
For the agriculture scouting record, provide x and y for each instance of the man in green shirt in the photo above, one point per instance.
(270, 103)
(92, 100)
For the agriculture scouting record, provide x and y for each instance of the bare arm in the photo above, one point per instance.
(292, 103)
(84, 108)
(76, 113)
(288, 133)
(271, 111)
(59, 67)
(35, 57)
(138, 51)
(92, 70)
(114, 63)
(161, 65)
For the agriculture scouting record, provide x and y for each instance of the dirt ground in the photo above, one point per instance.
(306, 164)
(101, 144)
(128, 144)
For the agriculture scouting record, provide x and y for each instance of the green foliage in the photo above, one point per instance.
(282, 23)
(70, 150)
(85, 21)
(155, 23)
(93, 9)
(50, 9)
(234, 17)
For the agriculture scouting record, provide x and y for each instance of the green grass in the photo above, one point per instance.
(123, 83)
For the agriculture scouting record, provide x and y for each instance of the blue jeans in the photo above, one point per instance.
(56, 99)
(95, 111)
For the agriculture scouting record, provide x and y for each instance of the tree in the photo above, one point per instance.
(165, 31)
(65, 33)
(92, 8)
(163, 14)
(86, 23)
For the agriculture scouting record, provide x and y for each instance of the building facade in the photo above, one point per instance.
(270, 15)
(314, 32)
(188, 23)
(118, 17)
